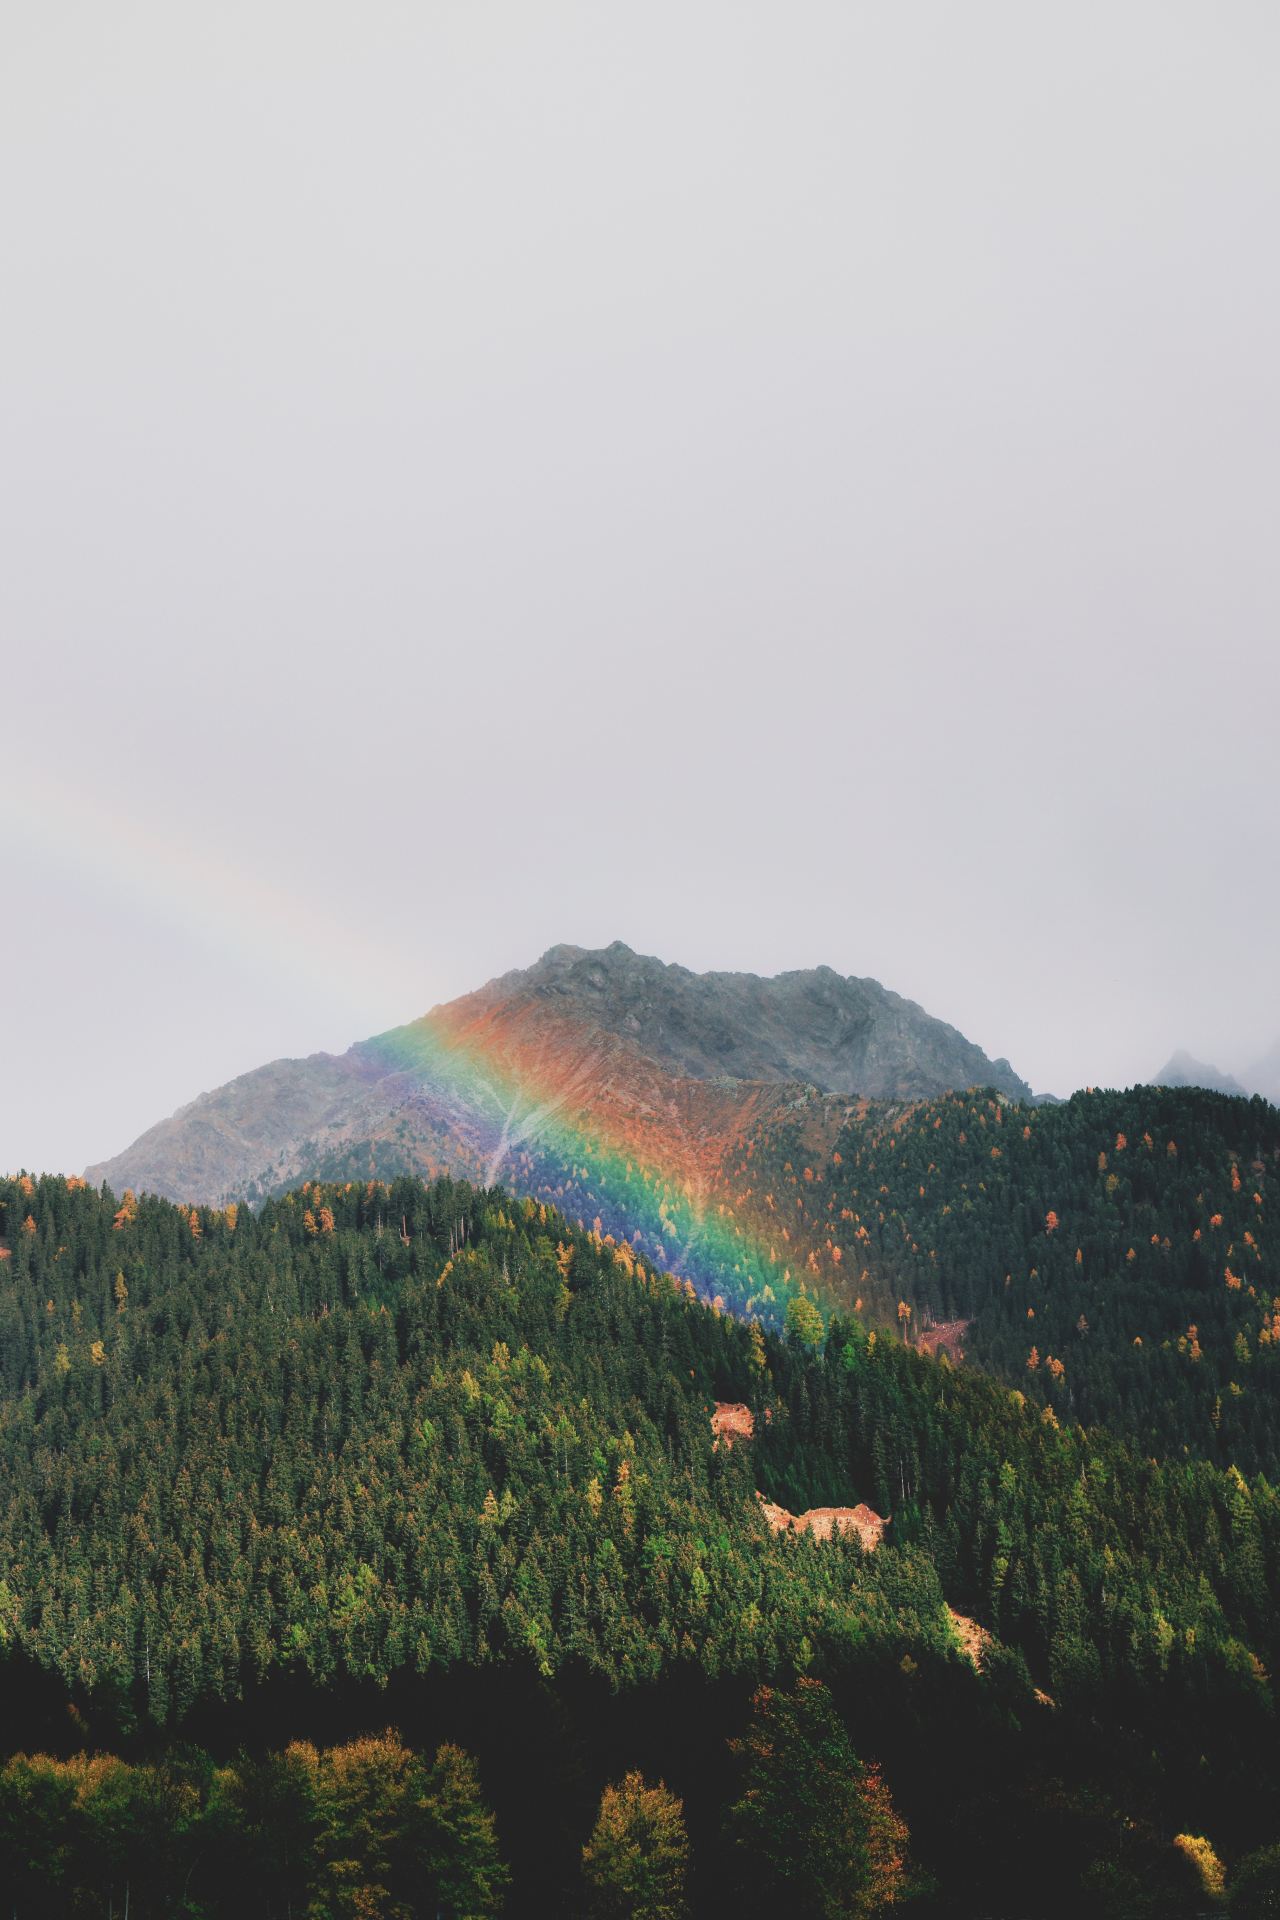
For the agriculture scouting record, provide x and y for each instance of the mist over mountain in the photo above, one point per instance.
(670, 1058)
(1264, 1075)
(1182, 1069)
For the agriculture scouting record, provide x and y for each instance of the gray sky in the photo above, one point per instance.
(773, 484)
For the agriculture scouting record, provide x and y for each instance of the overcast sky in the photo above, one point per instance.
(773, 484)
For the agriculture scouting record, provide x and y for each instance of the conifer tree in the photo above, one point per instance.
(812, 1833)
(462, 1875)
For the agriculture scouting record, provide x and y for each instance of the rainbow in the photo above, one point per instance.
(257, 924)
(514, 1119)
(511, 1115)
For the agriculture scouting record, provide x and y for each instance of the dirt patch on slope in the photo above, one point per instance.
(973, 1639)
(732, 1420)
(823, 1522)
(947, 1337)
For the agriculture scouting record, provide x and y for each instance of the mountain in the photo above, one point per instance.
(663, 1056)
(1107, 1256)
(1183, 1070)
(1263, 1077)
(842, 1035)
(465, 1445)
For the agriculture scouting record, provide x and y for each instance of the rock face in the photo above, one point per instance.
(218, 1146)
(674, 1065)
(843, 1035)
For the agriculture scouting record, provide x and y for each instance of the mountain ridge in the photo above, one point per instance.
(747, 1026)
(652, 1045)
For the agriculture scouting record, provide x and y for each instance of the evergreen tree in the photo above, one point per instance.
(454, 1842)
(812, 1834)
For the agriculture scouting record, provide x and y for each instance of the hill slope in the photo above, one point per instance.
(1153, 1304)
(361, 1372)
(1112, 1257)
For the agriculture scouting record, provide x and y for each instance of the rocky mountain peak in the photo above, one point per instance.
(676, 1057)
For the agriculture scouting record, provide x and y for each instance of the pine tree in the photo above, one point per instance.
(454, 1842)
(813, 1834)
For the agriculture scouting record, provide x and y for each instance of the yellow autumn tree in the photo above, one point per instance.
(635, 1862)
(1209, 1869)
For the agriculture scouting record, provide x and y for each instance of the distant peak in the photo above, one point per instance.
(1182, 1069)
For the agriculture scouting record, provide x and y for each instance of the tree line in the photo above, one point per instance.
(372, 1827)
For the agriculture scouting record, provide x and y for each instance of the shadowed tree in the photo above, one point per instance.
(813, 1833)
(1255, 1886)
(462, 1875)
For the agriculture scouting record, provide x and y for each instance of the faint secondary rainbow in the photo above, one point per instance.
(263, 927)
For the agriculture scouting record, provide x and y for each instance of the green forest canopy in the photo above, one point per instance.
(373, 1435)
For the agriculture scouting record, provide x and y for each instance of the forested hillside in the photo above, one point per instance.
(434, 1452)
(1110, 1256)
